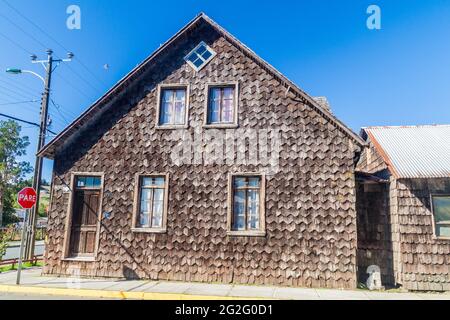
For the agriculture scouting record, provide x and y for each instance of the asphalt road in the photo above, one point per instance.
(14, 251)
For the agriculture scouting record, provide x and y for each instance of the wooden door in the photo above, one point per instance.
(83, 235)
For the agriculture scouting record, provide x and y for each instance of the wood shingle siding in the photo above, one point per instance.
(310, 215)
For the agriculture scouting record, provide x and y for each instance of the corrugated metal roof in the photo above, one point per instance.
(414, 151)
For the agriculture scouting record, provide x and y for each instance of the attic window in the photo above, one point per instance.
(200, 56)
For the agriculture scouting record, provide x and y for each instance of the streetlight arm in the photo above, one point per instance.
(35, 74)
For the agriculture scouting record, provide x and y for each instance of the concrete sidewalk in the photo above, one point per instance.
(33, 283)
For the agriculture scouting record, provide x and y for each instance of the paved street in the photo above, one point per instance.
(14, 249)
(33, 284)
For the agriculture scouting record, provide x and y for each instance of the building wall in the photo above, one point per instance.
(310, 198)
(371, 161)
(424, 262)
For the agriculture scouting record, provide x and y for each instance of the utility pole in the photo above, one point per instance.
(32, 218)
(34, 213)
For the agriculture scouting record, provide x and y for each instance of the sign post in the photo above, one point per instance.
(26, 199)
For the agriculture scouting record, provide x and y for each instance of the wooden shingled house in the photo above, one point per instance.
(403, 205)
(205, 163)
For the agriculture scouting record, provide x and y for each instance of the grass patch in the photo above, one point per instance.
(25, 265)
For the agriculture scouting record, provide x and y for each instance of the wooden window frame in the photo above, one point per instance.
(172, 86)
(69, 216)
(136, 204)
(262, 200)
(208, 88)
(435, 236)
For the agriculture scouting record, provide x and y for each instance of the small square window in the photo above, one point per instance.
(441, 212)
(199, 56)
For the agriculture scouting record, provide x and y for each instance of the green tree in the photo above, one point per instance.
(12, 171)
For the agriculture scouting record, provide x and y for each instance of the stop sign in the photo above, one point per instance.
(26, 197)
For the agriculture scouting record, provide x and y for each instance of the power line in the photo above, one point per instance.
(21, 87)
(8, 94)
(70, 84)
(15, 43)
(21, 29)
(84, 80)
(24, 121)
(51, 38)
(17, 102)
(57, 109)
(63, 110)
(18, 93)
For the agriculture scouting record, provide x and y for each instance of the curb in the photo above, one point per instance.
(89, 293)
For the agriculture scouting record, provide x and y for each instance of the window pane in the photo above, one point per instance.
(239, 210)
(227, 111)
(81, 181)
(143, 219)
(97, 182)
(179, 113)
(166, 113)
(253, 182)
(146, 181)
(158, 195)
(145, 196)
(206, 55)
(193, 57)
(215, 94)
(443, 230)
(180, 95)
(253, 209)
(201, 49)
(228, 93)
(214, 109)
(239, 182)
(167, 95)
(158, 181)
(198, 62)
(89, 182)
(157, 214)
(441, 208)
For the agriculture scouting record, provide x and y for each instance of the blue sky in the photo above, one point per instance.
(398, 75)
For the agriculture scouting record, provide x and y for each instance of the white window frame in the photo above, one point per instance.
(205, 62)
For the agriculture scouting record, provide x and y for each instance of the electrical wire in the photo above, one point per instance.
(53, 39)
(24, 121)
(17, 102)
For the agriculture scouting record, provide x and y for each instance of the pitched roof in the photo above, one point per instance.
(68, 133)
(413, 151)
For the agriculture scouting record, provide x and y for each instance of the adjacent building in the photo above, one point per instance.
(403, 192)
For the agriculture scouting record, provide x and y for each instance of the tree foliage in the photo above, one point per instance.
(12, 171)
